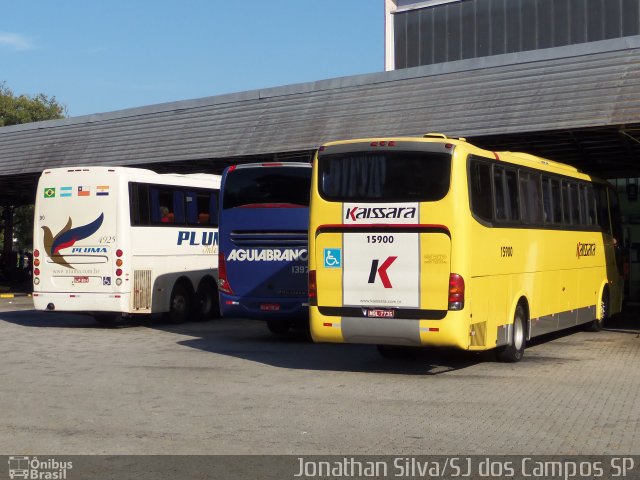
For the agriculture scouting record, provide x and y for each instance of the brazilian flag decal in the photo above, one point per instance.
(49, 192)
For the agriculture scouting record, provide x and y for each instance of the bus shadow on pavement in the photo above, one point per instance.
(250, 341)
(37, 319)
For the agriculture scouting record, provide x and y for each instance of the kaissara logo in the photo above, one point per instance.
(381, 271)
(586, 250)
(368, 213)
(67, 237)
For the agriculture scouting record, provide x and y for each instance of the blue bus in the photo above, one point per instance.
(264, 217)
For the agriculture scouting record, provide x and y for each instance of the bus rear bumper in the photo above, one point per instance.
(386, 331)
(81, 302)
(264, 308)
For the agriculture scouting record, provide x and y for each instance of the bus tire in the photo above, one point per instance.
(180, 304)
(278, 327)
(596, 324)
(515, 350)
(207, 302)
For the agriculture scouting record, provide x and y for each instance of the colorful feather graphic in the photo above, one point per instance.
(67, 237)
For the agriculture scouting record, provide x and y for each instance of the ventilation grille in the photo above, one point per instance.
(142, 290)
(478, 335)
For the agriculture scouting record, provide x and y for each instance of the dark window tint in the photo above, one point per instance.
(480, 186)
(172, 205)
(566, 203)
(267, 185)
(556, 196)
(552, 200)
(505, 185)
(603, 208)
(587, 205)
(575, 203)
(389, 176)
(530, 197)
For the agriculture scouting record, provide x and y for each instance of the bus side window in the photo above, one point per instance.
(481, 198)
(139, 204)
(566, 203)
(213, 207)
(505, 187)
(575, 203)
(547, 200)
(556, 197)
(603, 208)
(530, 197)
(191, 199)
(178, 207)
(588, 200)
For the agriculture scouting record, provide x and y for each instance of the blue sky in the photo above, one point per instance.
(99, 56)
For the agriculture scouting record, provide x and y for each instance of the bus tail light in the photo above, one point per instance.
(223, 280)
(313, 288)
(456, 292)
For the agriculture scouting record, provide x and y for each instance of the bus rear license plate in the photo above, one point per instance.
(269, 307)
(379, 313)
(80, 279)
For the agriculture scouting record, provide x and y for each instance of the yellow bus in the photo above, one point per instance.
(435, 242)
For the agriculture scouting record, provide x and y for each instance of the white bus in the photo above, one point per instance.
(114, 240)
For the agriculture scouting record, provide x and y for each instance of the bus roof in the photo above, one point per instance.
(129, 171)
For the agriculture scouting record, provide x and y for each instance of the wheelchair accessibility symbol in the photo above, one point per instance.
(332, 258)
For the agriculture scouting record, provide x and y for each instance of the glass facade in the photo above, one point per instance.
(480, 28)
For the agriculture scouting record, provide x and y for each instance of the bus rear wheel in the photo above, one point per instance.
(179, 305)
(207, 302)
(515, 350)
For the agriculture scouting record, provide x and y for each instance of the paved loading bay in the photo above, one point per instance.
(70, 386)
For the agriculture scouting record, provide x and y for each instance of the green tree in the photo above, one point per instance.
(17, 220)
(24, 109)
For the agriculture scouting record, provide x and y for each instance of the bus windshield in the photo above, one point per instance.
(395, 176)
(266, 186)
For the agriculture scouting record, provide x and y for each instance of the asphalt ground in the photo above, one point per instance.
(69, 386)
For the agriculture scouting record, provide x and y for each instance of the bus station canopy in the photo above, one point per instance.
(578, 104)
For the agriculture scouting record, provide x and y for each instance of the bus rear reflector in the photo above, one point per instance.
(223, 281)
(456, 292)
(313, 288)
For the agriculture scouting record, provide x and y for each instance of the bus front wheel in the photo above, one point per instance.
(179, 304)
(515, 350)
(596, 324)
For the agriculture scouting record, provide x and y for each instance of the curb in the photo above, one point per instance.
(14, 295)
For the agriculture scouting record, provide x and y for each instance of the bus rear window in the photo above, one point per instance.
(391, 176)
(246, 187)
